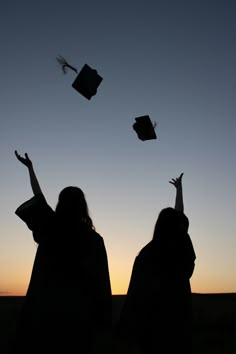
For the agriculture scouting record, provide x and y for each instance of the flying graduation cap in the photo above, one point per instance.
(87, 80)
(144, 128)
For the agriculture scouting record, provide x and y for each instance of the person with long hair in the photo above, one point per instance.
(157, 311)
(69, 299)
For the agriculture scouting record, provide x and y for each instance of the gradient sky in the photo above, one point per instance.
(173, 60)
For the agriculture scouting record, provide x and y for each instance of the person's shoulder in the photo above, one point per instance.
(146, 250)
(96, 236)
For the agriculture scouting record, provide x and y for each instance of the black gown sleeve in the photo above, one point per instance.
(35, 212)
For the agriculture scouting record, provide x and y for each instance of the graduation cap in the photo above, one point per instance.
(87, 80)
(144, 128)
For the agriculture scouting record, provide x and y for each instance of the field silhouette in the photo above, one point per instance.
(214, 324)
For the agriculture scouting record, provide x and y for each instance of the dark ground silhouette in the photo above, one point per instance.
(214, 321)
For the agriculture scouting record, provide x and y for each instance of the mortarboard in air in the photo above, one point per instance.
(144, 128)
(87, 80)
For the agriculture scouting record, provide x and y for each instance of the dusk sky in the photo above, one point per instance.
(172, 60)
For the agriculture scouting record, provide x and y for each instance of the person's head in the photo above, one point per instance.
(170, 222)
(72, 206)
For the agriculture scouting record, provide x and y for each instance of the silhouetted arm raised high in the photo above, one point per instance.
(33, 179)
(179, 202)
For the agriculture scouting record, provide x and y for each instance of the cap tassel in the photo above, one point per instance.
(64, 64)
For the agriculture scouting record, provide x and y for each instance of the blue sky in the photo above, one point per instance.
(172, 60)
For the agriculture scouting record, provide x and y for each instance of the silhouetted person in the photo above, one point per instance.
(157, 311)
(69, 296)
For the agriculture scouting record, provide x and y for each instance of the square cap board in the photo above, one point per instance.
(87, 82)
(144, 128)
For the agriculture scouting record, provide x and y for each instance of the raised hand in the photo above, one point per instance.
(177, 182)
(33, 179)
(25, 160)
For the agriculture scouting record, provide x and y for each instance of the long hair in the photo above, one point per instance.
(170, 222)
(72, 208)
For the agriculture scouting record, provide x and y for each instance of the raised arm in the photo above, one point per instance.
(179, 203)
(33, 179)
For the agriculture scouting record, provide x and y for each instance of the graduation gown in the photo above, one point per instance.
(158, 307)
(69, 294)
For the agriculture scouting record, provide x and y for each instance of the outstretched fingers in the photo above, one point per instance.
(176, 181)
(25, 160)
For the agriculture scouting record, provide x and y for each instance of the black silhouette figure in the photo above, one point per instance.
(157, 311)
(69, 300)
